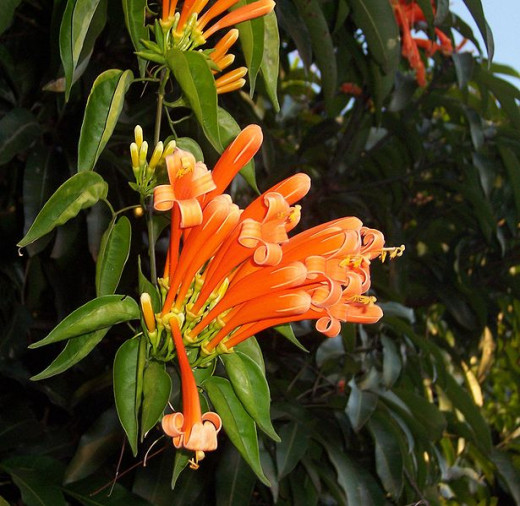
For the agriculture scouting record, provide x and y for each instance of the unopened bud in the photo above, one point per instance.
(156, 156)
(142, 154)
(146, 306)
(169, 149)
(138, 133)
(134, 153)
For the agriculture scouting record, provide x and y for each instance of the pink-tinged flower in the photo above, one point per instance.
(190, 429)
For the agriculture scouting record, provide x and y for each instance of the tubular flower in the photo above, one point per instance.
(189, 28)
(231, 273)
(191, 429)
(408, 15)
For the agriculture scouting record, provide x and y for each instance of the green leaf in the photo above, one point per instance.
(182, 457)
(360, 406)
(463, 402)
(426, 7)
(18, 129)
(237, 423)
(76, 22)
(192, 72)
(7, 13)
(95, 447)
(113, 254)
(389, 460)
(269, 67)
(104, 105)
(135, 20)
(252, 36)
(287, 331)
(125, 388)
(157, 386)
(251, 387)
(38, 479)
(464, 67)
(356, 482)
(75, 350)
(229, 129)
(100, 313)
(294, 445)
(322, 45)
(391, 362)
(234, 481)
(475, 8)
(512, 165)
(507, 471)
(149, 288)
(79, 192)
(251, 348)
(377, 21)
(192, 146)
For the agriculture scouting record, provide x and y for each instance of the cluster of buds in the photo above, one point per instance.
(187, 29)
(144, 170)
(409, 16)
(230, 273)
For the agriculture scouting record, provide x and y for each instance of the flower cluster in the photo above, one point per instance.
(409, 16)
(231, 273)
(189, 28)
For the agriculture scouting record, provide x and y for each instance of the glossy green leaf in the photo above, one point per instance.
(37, 477)
(100, 313)
(79, 192)
(269, 67)
(464, 67)
(95, 447)
(251, 388)
(125, 387)
(157, 386)
(104, 105)
(77, 19)
(237, 423)
(252, 36)
(192, 72)
(135, 20)
(251, 348)
(75, 350)
(234, 480)
(360, 406)
(330, 350)
(475, 8)
(7, 13)
(464, 403)
(294, 445)
(112, 257)
(229, 129)
(389, 460)
(377, 21)
(287, 331)
(322, 45)
(18, 129)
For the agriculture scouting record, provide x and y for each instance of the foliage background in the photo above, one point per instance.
(421, 407)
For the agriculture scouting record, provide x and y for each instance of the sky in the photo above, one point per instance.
(504, 19)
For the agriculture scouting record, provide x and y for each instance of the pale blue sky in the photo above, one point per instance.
(504, 18)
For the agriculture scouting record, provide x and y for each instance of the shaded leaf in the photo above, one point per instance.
(271, 61)
(234, 480)
(287, 331)
(18, 129)
(7, 13)
(475, 8)
(291, 450)
(360, 406)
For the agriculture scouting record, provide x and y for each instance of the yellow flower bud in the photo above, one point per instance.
(138, 133)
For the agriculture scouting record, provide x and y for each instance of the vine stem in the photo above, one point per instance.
(165, 74)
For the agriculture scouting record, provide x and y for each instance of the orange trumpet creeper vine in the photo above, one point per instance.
(233, 272)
